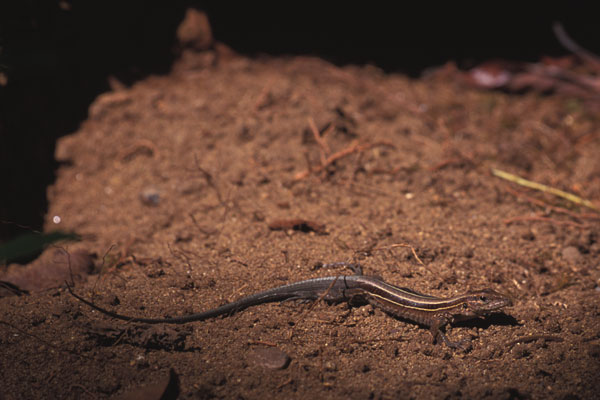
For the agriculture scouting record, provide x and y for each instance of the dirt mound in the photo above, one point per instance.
(231, 175)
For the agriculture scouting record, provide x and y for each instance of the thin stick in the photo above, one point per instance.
(323, 146)
(197, 225)
(573, 47)
(546, 205)
(262, 342)
(209, 180)
(75, 385)
(538, 186)
(303, 315)
(543, 219)
(353, 148)
(401, 245)
(444, 163)
(101, 269)
(287, 382)
(321, 297)
(533, 338)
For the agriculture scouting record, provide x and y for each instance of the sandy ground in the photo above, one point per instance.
(176, 182)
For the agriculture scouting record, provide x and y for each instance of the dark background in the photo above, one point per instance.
(57, 57)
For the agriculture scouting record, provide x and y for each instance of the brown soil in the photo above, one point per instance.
(175, 182)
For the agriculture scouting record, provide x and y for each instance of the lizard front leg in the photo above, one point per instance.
(436, 331)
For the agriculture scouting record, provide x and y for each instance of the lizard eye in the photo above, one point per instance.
(465, 305)
(483, 298)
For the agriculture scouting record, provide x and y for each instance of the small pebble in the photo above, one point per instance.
(150, 196)
(571, 254)
(269, 357)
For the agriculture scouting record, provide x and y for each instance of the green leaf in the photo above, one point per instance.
(27, 246)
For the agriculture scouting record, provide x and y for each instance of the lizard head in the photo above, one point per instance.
(479, 303)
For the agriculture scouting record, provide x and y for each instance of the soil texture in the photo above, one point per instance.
(232, 175)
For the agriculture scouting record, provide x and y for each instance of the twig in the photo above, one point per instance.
(400, 245)
(569, 44)
(14, 289)
(321, 297)
(285, 383)
(549, 206)
(445, 163)
(323, 146)
(101, 269)
(538, 186)
(533, 338)
(75, 385)
(264, 98)
(200, 229)
(353, 148)
(180, 254)
(363, 189)
(543, 219)
(262, 342)
(380, 340)
(309, 169)
(209, 180)
(565, 80)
